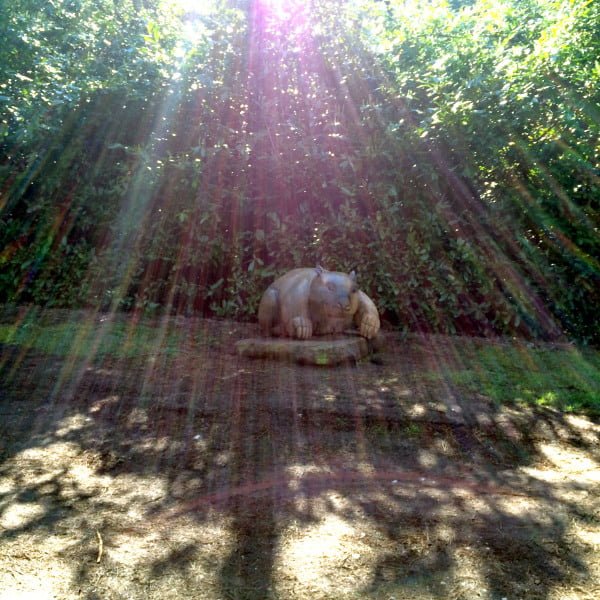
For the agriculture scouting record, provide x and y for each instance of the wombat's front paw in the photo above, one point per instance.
(302, 328)
(369, 326)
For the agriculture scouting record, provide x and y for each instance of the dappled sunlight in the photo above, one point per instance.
(427, 459)
(162, 163)
(43, 585)
(71, 424)
(468, 576)
(318, 556)
(18, 516)
(300, 489)
(574, 464)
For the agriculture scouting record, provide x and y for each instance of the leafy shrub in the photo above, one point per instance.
(451, 159)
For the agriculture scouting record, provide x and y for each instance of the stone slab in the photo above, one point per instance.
(321, 352)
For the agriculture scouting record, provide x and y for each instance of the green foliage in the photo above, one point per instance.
(155, 160)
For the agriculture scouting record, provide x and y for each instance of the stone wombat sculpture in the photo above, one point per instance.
(307, 302)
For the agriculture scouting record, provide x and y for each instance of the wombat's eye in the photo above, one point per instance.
(353, 289)
(331, 286)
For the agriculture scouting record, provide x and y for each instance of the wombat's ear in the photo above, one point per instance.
(319, 269)
(353, 276)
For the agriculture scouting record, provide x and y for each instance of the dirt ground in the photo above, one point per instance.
(201, 474)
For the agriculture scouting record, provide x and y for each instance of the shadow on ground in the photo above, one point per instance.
(204, 473)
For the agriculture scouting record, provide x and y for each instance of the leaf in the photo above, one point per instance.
(154, 30)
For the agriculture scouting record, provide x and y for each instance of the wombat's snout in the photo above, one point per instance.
(344, 304)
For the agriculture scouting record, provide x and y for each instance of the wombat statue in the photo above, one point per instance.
(313, 301)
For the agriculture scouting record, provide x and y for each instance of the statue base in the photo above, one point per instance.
(326, 351)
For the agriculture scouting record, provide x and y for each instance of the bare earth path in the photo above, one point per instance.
(190, 472)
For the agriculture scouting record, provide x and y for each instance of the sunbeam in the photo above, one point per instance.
(182, 180)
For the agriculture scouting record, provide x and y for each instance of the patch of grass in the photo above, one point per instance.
(566, 378)
(413, 430)
(91, 339)
(378, 431)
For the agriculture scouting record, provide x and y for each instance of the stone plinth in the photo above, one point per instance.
(322, 352)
